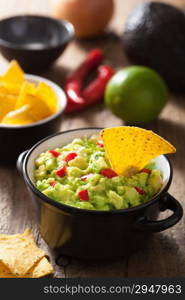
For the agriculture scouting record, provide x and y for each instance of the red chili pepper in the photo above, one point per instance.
(54, 153)
(93, 93)
(93, 59)
(139, 190)
(52, 183)
(100, 143)
(109, 173)
(85, 177)
(148, 171)
(75, 80)
(84, 196)
(62, 171)
(95, 90)
(70, 156)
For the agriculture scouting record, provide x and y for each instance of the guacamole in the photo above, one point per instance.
(79, 174)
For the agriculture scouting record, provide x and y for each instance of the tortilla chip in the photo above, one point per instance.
(7, 103)
(8, 275)
(14, 74)
(129, 149)
(27, 233)
(10, 88)
(41, 269)
(19, 116)
(26, 89)
(46, 93)
(38, 108)
(5, 272)
(19, 253)
(3, 90)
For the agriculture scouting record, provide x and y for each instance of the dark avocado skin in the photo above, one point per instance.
(154, 36)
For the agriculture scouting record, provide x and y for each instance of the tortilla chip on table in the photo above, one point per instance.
(21, 258)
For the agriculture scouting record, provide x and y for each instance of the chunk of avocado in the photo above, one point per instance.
(116, 200)
(132, 196)
(74, 172)
(84, 205)
(78, 162)
(99, 202)
(40, 173)
(59, 193)
(50, 164)
(154, 36)
(155, 182)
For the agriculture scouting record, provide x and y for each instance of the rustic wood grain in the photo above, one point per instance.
(165, 256)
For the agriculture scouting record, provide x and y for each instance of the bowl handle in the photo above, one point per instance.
(20, 161)
(167, 202)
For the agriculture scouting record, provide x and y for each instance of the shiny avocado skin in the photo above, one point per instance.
(154, 36)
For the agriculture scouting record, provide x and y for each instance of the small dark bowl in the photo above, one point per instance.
(34, 41)
(95, 234)
(17, 138)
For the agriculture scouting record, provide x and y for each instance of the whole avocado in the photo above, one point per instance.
(154, 36)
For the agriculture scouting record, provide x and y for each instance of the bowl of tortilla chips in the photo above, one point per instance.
(91, 232)
(31, 107)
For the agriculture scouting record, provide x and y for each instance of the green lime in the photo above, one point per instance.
(136, 94)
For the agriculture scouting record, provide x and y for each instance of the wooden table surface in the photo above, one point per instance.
(165, 256)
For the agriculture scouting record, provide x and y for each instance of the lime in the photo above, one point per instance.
(136, 94)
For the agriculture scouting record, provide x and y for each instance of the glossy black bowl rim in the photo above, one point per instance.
(75, 210)
(69, 27)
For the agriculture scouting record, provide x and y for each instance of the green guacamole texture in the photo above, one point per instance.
(83, 182)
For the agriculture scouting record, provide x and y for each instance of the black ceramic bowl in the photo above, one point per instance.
(34, 41)
(93, 234)
(15, 139)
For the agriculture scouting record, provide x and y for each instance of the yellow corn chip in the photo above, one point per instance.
(26, 89)
(39, 109)
(19, 116)
(7, 275)
(3, 90)
(19, 253)
(13, 74)
(27, 233)
(10, 88)
(129, 149)
(41, 269)
(7, 103)
(46, 93)
(5, 272)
